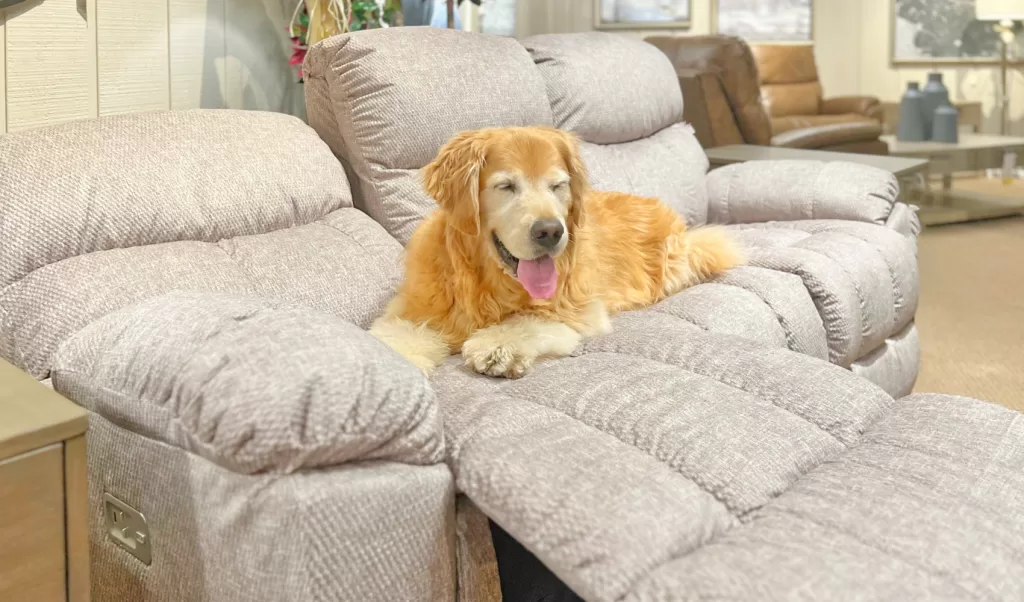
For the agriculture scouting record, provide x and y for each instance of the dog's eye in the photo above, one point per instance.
(559, 186)
(507, 187)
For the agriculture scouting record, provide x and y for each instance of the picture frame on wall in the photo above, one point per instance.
(765, 21)
(943, 32)
(642, 14)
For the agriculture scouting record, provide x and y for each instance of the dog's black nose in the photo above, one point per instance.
(547, 232)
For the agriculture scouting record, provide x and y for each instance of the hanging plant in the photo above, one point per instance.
(298, 31)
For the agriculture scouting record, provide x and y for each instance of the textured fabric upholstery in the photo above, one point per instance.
(343, 264)
(759, 191)
(862, 278)
(374, 531)
(638, 168)
(822, 294)
(249, 387)
(158, 177)
(607, 89)
(621, 98)
(397, 95)
(664, 463)
(893, 365)
(739, 440)
(917, 510)
(219, 201)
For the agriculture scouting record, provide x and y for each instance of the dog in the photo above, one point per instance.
(522, 260)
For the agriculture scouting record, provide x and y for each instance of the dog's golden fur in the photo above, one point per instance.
(622, 252)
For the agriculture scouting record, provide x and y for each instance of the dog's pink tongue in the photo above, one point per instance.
(539, 277)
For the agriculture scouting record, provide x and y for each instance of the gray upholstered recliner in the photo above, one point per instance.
(200, 282)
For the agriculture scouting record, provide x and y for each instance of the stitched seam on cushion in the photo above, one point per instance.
(349, 236)
(890, 553)
(817, 186)
(455, 449)
(725, 381)
(893, 187)
(860, 441)
(856, 287)
(790, 338)
(860, 297)
(694, 479)
(830, 328)
(893, 280)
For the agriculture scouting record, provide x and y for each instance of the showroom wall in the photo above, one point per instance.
(71, 59)
(852, 47)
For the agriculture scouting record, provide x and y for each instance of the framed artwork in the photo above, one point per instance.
(641, 14)
(937, 32)
(765, 20)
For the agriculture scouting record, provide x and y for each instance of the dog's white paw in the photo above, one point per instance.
(486, 355)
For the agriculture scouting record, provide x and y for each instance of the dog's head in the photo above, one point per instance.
(518, 192)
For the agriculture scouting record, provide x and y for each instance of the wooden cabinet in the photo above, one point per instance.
(43, 493)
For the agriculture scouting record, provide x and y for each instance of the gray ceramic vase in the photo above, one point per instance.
(945, 124)
(935, 95)
(911, 126)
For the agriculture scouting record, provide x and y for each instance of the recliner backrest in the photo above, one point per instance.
(622, 98)
(387, 100)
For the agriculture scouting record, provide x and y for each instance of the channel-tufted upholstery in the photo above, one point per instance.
(836, 228)
(205, 298)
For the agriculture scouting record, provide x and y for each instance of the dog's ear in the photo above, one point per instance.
(579, 180)
(453, 180)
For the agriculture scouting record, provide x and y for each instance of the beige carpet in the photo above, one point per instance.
(971, 313)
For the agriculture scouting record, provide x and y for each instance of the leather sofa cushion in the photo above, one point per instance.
(789, 79)
(785, 63)
(781, 100)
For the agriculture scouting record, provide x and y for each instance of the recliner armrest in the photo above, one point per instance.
(868, 106)
(252, 387)
(763, 191)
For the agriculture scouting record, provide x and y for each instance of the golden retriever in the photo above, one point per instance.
(522, 259)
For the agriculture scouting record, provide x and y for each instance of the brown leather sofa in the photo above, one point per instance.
(768, 95)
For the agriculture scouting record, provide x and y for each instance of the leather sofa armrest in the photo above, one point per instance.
(252, 387)
(764, 191)
(832, 134)
(695, 107)
(707, 109)
(868, 106)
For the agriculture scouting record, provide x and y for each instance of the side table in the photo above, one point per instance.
(44, 530)
(973, 152)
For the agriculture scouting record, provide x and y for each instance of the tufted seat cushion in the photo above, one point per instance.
(664, 462)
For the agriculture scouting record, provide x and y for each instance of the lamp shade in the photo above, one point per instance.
(998, 10)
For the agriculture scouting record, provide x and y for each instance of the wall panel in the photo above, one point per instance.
(48, 47)
(197, 47)
(3, 73)
(133, 59)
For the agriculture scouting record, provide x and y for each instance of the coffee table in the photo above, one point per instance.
(906, 169)
(974, 152)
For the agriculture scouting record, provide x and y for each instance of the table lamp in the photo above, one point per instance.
(1008, 14)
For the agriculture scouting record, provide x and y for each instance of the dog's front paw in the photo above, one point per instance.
(487, 356)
